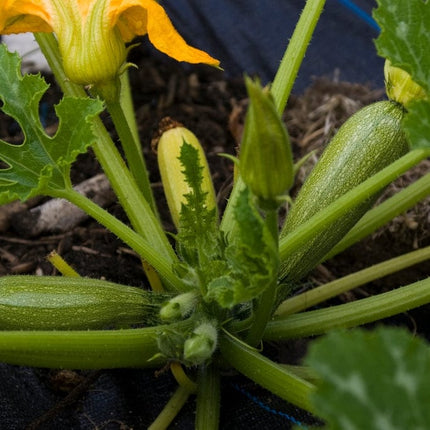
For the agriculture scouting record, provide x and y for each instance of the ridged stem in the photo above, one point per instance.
(171, 410)
(129, 236)
(268, 374)
(266, 301)
(324, 292)
(383, 213)
(130, 197)
(208, 398)
(132, 150)
(295, 52)
(351, 314)
(81, 349)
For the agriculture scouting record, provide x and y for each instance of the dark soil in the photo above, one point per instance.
(213, 108)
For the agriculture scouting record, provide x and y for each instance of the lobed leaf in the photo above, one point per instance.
(252, 258)
(405, 36)
(41, 163)
(405, 41)
(417, 124)
(372, 380)
(197, 237)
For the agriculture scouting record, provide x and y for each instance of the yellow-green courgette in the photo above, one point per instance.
(65, 303)
(366, 143)
(171, 170)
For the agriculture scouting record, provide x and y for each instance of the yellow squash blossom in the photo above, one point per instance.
(91, 33)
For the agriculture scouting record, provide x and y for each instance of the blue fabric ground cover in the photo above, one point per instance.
(251, 35)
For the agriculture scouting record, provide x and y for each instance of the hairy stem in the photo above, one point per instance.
(130, 237)
(172, 408)
(324, 292)
(208, 398)
(266, 301)
(81, 349)
(383, 213)
(295, 52)
(136, 207)
(132, 150)
(351, 314)
(266, 373)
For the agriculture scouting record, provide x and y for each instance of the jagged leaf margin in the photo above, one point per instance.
(41, 163)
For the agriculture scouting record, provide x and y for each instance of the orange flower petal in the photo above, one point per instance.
(22, 16)
(140, 17)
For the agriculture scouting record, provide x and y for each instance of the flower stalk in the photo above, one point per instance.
(136, 207)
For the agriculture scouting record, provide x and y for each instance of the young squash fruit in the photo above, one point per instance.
(57, 303)
(171, 170)
(367, 142)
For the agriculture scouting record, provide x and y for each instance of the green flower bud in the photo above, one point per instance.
(202, 343)
(266, 162)
(400, 87)
(179, 307)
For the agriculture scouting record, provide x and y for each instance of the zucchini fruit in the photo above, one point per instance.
(171, 169)
(57, 303)
(367, 142)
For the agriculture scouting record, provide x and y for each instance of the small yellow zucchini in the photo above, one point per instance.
(65, 303)
(368, 141)
(174, 184)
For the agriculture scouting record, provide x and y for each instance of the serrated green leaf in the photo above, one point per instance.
(252, 258)
(372, 380)
(417, 124)
(197, 237)
(405, 41)
(405, 36)
(41, 163)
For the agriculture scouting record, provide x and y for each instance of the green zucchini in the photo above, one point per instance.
(367, 142)
(65, 303)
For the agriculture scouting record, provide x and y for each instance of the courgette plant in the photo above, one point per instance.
(230, 282)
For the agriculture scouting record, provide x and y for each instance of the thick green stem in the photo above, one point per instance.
(266, 373)
(293, 241)
(351, 314)
(130, 237)
(132, 150)
(320, 294)
(127, 104)
(137, 208)
(208, 398)
(171, 410)
(282, 84)
(130, 197)
(81, 349)
(266, 301)
(292, 59)
(385, 212)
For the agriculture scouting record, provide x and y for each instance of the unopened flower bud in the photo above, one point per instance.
(179, 307)
(266, 164)
(202, 343)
